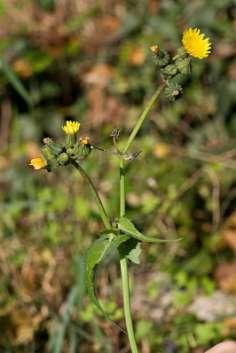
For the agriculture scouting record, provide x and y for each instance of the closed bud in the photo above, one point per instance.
(169, 70)
(172, 91)
(178, 79)
(70, 151)
(48, 153)
(55, 147)
(183, 66)
(163, 58)
(84, 151)
(181, 54)
(63, 158)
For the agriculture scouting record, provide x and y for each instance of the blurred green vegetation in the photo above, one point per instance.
(90, 60)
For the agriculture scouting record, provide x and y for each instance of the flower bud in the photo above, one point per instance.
(55, 147)
(172, 91)
(48, 153)
(183, 65)
(163, 58)
(169, 70)
(70, 151)
(63, 158)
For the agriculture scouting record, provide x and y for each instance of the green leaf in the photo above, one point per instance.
(126, 226)
(119, 239)
(135, 253)
(94, 255)
(130, 249)
(15, 81)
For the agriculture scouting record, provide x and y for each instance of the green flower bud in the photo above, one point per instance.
(172, 91)
(55, 147)
(169, 70)
(84, 151)
(63, 158)
(48, 153)
(181, 54)
(179, 78)
(50, 158)
(162, 58)
(183, 65)
(70, 151)
(52, 165)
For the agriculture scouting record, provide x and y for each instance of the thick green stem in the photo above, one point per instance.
(102, 210)
(123, 261)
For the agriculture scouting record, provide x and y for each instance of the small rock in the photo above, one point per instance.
(214, 307)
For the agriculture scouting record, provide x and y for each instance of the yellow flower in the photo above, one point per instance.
(155, 49)
(195, 43)
(85, 140)
(38, 163)
(71, 127)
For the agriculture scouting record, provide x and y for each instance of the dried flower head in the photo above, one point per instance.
(84, 140)
(38, 163)
(71, 127)
(155, 49)
(195, 43)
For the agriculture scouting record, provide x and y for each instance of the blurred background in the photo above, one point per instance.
(90, 60)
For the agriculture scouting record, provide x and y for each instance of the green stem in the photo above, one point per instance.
(142, 117)
(127, 306)
(123, 261)
(124, 270)
(102, 210)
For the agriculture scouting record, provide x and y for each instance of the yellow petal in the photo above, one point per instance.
(38, 163)
(71, 127)
(196, 44)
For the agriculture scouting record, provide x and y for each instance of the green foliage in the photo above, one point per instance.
(131, 250)
(207, 332)
(94, 255)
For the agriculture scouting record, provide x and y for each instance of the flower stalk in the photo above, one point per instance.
(102, 211)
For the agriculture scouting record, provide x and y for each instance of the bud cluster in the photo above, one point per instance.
(174, 70)
(58, 155)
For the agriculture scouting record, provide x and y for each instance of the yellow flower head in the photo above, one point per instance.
(38, 163)
(195, 43)
(85, 140)
(71, 127)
